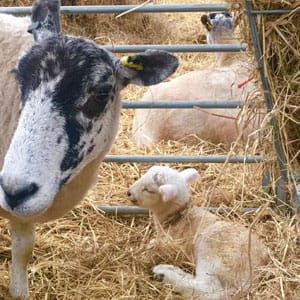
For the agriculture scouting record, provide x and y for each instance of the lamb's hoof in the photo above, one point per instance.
(157, 275)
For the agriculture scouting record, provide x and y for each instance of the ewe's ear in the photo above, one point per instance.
(189, 175)
(206, 22)
(44, 19)
(146, 68)
(168, 192)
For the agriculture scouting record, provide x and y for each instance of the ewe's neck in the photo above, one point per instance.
(224, 59)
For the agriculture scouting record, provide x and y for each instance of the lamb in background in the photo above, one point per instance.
(224, 264)
(57, 131)
(220, 84)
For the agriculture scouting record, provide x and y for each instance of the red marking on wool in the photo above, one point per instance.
(245, 82)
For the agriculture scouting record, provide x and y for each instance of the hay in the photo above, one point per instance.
(86, 255)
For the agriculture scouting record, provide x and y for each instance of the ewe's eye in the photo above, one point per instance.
(97, 101)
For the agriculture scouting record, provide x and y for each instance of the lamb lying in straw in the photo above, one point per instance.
(225, 253)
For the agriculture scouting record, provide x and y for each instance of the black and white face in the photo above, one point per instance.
(68, 89)
(68, 115)
(218, 27)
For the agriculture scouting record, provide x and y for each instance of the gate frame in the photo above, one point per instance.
(281, 186)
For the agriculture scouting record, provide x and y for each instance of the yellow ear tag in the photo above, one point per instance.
(128, 61)
(209, 26)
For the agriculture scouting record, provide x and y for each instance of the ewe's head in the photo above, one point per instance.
(161, 186)
(219, 27)
(69, 109)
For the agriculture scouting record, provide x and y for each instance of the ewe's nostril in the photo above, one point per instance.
(15, 197)
(128, 193)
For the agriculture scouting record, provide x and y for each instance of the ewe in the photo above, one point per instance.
(220, 249)
(54, 136)
(220, 84)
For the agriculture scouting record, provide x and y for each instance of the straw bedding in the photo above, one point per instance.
(87, 255)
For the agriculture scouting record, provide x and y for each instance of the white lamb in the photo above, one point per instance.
(225, 253)
(59, 115)
(220, 84)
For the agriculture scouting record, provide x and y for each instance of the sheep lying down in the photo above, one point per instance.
(221, 83)
(222, 250)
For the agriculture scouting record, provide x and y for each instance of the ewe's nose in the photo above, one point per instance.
(19, 194)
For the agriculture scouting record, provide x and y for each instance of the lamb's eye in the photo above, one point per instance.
(147, 190)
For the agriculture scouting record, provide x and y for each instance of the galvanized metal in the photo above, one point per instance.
(135, 210)
(183, 158)
(177, 48)
(274, 11)
(181, 104)
(108, 9)
(123, 210)
(282, 162)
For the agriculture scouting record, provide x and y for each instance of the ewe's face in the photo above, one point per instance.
(219, 27)
(67, 86)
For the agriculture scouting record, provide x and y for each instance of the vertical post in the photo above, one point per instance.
(282, 162)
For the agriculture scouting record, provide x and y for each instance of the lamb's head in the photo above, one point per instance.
(162, 188)
(219, 27)
(69, 109)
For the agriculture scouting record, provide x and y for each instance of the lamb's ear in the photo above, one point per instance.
(44, 19)
(159, 178)
(189, 175)
(168, 192)
(146, 68)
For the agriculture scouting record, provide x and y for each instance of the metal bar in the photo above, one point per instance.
(274, 11)
(146, 9)
(183, 158)
(135, 210)
(182, 104)
(177, 48)
(123, 210)
(122, 8)
(282, 162)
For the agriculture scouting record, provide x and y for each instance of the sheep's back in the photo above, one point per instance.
(214, 125)
(232, 249)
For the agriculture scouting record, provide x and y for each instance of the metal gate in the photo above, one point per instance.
(282, 164)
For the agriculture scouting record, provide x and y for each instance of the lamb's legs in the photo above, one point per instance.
(22, 235)
(201, 287)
